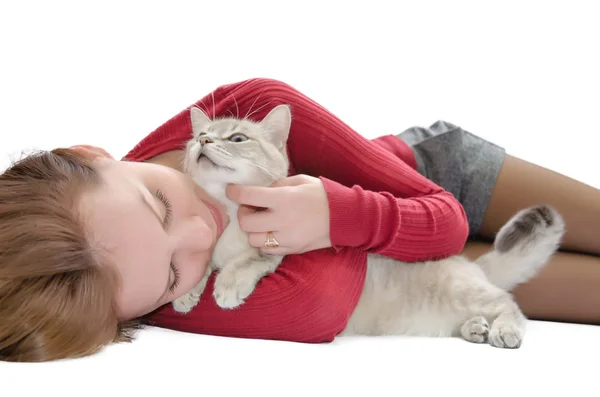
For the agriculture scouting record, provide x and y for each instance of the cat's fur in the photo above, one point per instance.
(448, 297)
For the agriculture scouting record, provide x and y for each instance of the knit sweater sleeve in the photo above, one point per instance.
(386, 207)
(377, 201)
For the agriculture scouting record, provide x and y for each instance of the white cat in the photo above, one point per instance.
(448, 297)
(240, 151)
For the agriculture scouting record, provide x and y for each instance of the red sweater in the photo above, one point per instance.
(378, 203)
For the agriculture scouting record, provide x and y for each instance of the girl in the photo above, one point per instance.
(92, 247)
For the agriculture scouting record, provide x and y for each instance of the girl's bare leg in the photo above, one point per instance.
(568, 289)
(521, 184)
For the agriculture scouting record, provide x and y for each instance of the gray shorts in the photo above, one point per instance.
(462, 163)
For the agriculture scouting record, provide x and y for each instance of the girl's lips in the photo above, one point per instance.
(216, 216)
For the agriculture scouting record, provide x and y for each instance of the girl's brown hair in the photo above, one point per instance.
(56, 291)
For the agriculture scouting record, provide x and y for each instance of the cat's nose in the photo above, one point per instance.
(204, 140)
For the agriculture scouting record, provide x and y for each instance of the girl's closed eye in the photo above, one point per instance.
(176, 279)
(168, 208)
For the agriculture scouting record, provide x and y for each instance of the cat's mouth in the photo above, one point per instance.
(204, 157)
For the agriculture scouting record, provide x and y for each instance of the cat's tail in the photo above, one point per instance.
(523, 246)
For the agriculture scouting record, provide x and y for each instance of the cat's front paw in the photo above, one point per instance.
(186, 302)
(475, 330)
(507, 336)
(233, 286)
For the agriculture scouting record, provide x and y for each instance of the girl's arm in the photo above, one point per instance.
(377, 202)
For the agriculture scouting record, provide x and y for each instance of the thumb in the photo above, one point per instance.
(294, 180)
(256, 196)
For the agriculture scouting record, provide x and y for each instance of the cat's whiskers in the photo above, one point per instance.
(222, 151)
(203, 104)
(266, 104)
(236, 107)
(214, 107)
(219, 157)
(255, 99)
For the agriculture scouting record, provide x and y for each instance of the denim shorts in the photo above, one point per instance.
(460, 162)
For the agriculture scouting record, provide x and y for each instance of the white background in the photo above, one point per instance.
(523, 74)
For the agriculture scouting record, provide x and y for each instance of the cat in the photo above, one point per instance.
(234, 150)
(439, 298)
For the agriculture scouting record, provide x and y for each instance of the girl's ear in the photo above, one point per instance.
(91, 152)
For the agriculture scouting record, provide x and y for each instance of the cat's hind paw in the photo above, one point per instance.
(507, 336)
(475, 330)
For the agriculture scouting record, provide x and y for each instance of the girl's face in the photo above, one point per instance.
(156, 226)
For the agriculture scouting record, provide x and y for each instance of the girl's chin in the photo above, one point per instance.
(207, 238)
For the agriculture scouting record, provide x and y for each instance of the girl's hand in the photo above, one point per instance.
(295, 209)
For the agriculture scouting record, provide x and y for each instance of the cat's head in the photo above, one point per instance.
(234, 150)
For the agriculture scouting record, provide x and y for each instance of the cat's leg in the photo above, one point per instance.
(467, 295)
(236, 281)
(492, 305)
(480, 298)
(189, 300)
(508, 329)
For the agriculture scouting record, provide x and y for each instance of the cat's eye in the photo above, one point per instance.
(236, 138)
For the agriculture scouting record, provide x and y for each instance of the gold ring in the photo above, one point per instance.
(271, 242)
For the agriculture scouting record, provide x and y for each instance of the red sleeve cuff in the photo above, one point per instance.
(360, 218)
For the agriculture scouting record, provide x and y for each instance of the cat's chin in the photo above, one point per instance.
(206, 162)
(214, 174)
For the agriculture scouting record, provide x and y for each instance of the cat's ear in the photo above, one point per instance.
(199, 120)
(278, 123)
